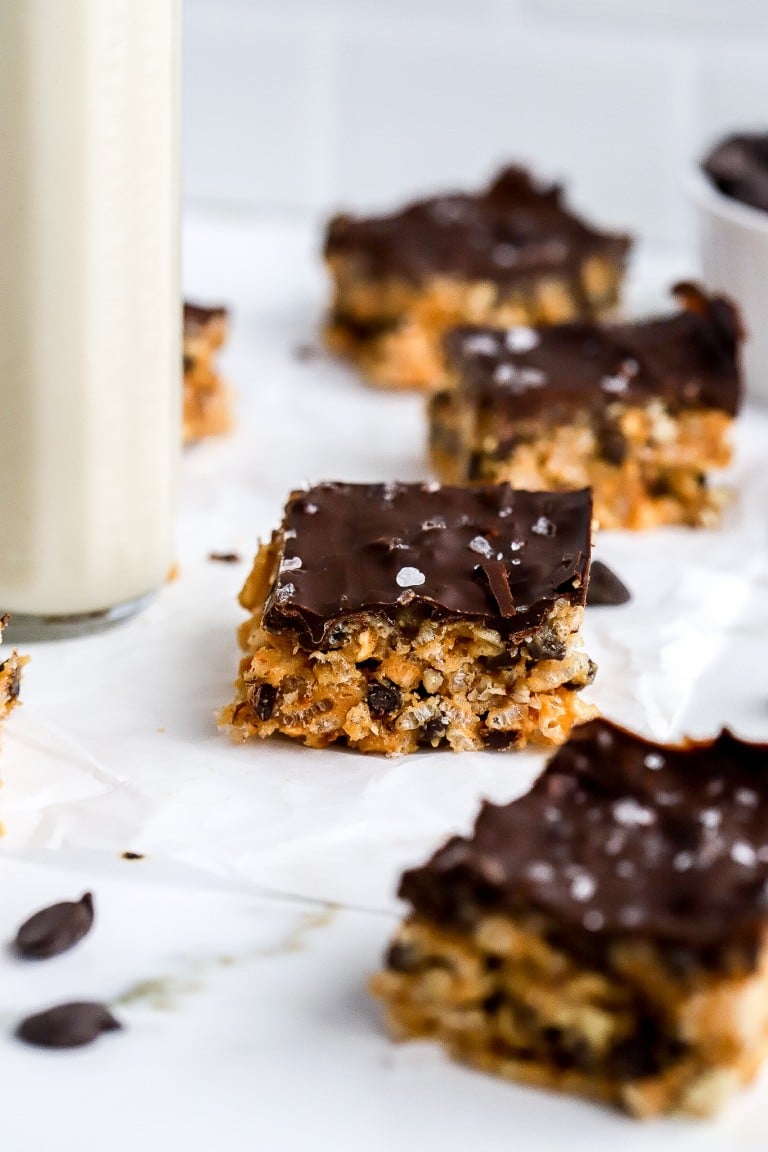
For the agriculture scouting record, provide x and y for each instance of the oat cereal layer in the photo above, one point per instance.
(393, 617)
(604, 935)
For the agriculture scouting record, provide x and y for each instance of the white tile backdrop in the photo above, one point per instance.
(313, 104)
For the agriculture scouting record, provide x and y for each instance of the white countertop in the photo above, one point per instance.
(247, 1021)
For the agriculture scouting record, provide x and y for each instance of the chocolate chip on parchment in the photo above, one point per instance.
(224, 557)
(55, 929)
(132, 855)
(383, 699)
(605, 588)
(67, 1025)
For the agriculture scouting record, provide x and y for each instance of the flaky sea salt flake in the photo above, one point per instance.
(521, 338)
(628, 812)
(480, 545)
(743, 853)
(410, 578)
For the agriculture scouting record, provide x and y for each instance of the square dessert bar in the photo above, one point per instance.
(390, 617)
(206, 398)
(607, 934)
(638, 412)
(512, 254)
(10, 676)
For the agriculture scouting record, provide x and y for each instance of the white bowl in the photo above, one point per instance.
(733, 249)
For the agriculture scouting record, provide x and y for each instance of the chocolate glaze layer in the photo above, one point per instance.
(689, 359)
(197, 316)
(492, 555)
(619, 836)
(513, 229)
(738, 166)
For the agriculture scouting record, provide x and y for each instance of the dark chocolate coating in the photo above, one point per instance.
(197, 316)
(515, 228)
(689, 359)
(619, 836)
(738, 166)
(492, 555)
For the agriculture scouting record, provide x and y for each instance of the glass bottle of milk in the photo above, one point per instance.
(89, 308)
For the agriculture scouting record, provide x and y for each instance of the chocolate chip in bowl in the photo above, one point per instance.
(729, 191)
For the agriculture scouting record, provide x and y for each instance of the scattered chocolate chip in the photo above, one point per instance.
(612, 444)
(547, 645)
(583, 680)
(55, 929)
(605, 589)
(383, 699)
(660, 487)
(433, 731)
(337, 637)
(492, 1003)
(263, 698)
(132, 855)
(638, 1055)
(401, 957)
(67, 1025)
(501, 741)
(475, 466)
(224, 557)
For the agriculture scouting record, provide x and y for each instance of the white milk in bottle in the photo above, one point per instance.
(89, 306)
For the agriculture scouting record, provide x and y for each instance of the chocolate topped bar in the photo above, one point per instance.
(486, 554)
(206, 410)
(620, 836)
(515, 228)
(738, 166)
(688, 360)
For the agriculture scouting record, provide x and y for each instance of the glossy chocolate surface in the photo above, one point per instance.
(689, 359)
(513, 229)
(492, 555)
(619, 836)
(738, 166)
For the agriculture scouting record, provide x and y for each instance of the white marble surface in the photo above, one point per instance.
(256, 1031)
